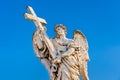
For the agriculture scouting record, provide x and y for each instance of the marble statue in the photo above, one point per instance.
(65, 59)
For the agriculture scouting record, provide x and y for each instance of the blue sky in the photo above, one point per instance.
(99, 20)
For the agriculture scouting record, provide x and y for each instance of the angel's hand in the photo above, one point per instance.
(57, 59)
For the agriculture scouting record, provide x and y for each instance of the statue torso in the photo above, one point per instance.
(60, 45)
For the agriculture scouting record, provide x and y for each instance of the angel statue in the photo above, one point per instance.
(65, 59)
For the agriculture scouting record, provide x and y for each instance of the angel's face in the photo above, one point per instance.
(60, 31)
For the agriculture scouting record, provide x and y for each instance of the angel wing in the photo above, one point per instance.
(82, 42)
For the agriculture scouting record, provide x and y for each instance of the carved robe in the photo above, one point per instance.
(67, 70)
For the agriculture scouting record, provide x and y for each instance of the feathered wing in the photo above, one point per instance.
(83, 43)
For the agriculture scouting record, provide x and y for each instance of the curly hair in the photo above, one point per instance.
(61, 26)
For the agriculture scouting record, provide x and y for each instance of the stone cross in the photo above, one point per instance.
(32, 16)
(38, 22)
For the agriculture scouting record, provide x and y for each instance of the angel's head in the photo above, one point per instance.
(60, 30)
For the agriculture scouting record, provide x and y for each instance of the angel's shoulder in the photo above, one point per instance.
(69, 41)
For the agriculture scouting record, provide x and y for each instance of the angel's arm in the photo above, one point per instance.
(64, 54)
(68, 52)
(37, 44)
(37, 39)
(70, 49)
